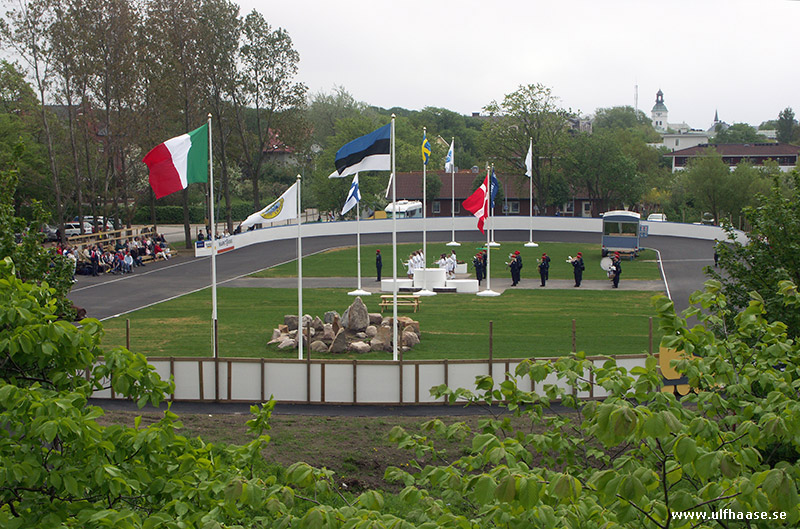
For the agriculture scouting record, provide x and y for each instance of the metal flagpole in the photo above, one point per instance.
(359, 291)
(530, 243)
(299, 275)
(488, 292)
(394, 249)
(453, 194)
(425, 291)
(214, 327)
(491, 208)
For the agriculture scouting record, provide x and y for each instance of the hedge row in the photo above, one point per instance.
(197, 214)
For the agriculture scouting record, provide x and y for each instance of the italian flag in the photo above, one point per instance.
(178, 162)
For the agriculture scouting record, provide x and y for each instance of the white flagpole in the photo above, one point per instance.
(299, 275)
(425, 291)
(530, 243)
(491, 207)
(488, 292)
(359, 291)
(214, 339)
(394, 249)
(214, 336)
(453, 194)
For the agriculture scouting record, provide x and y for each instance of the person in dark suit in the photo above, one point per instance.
(578, 268)
(617, 269)
(378, 264)
(544, 268)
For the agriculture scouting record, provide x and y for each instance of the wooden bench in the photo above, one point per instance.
(404, 300)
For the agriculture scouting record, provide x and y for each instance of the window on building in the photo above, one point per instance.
(458, 207)
(437, 207)
(513, 206)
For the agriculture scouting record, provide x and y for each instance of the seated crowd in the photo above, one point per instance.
(122, 258)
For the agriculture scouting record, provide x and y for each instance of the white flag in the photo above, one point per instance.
(285, 208)
(353, 196)
(529, 161)
(449, 162)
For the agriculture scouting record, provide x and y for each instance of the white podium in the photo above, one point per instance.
(429, 278)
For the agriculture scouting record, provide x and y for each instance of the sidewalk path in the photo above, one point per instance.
(498, 285)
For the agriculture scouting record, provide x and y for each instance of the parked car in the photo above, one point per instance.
(90, 219)
(657, 217)
(50, 233)
(72, 229)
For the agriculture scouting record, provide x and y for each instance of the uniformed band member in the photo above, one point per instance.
(578, 268)
(544, 268)
(615, 262)
(378, 264)
(477, 262)
(514, 266)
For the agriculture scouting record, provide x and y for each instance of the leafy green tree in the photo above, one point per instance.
(21, 240)
(530, 113)
(739, 133)
(625, 118)
(596, 163)
(769, 255)
(706, 179)
(786, 125)
(269, 64)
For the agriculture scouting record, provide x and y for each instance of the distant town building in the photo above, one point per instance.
(735, 153)
(659, 113)
(683, 140)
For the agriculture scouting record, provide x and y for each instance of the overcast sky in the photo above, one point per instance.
(735, 56)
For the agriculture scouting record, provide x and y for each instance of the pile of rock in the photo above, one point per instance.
(357, 330)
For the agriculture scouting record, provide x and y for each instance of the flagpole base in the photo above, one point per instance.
(453, 243)
(488, 293)
(425, 292)
(531, 244)
(492, 243)
(359, 292)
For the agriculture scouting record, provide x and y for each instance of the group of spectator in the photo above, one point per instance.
(120, 257)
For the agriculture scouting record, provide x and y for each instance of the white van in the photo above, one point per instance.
(72, 229)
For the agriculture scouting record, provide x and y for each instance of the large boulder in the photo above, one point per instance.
(317, 324)
(319, 346)
(360, 347)
(410, 339)
(403, 322)
(339, 344)
(327, 333)
(356, 317)
(330, 316)
(290, 320)
(375, 318)
(288, 344)
(371, 331)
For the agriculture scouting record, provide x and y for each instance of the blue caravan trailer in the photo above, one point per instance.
(621, 232)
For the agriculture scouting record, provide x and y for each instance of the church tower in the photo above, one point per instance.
(659, 113)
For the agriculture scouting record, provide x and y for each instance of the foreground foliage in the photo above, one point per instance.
(637, 459)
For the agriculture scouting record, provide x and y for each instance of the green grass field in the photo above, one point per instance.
(526, 323)
(343, 262)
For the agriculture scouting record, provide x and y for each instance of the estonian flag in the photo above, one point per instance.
(367, 153)
(353, 196)
(495, 186)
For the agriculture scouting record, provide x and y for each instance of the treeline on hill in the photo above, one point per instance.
(98, 84)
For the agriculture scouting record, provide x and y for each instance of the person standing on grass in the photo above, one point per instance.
(378, 264)
(477, 262)
(513, 265)
(578, 268)
(544, 267)
(616, 263)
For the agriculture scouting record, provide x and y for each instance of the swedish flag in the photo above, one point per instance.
(426, 149)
